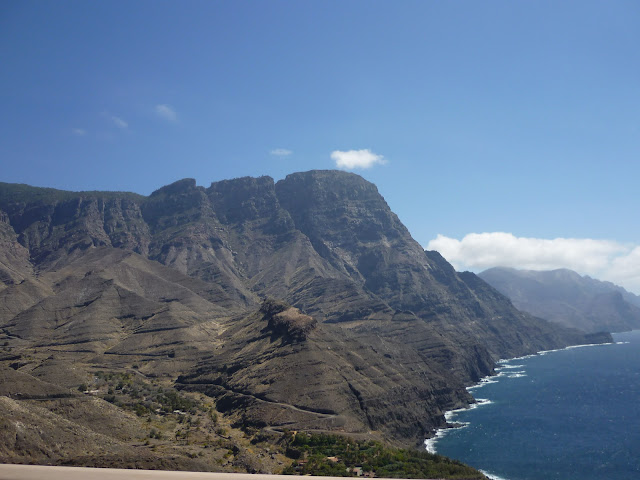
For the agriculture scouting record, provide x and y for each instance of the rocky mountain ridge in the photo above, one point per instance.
(567, 298)
(375, 336)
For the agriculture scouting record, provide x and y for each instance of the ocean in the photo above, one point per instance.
(571, 414)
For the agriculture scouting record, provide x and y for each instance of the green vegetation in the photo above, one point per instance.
(338, 456)
(143, 398)
(191, 422)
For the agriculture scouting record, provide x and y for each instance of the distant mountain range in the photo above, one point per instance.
(300, 305)
(565, 297)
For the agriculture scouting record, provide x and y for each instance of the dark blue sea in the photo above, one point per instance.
(570, 414)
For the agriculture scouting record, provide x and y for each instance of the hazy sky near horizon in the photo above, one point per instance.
(501, 132)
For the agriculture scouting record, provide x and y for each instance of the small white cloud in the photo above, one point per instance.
(356, 159)
(166, 112)
(601, 259)
(281, 152)
(79, 131)
(118, 122)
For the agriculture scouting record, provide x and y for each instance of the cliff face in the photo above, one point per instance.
(376, 334)
(566, 298)
(14, 258)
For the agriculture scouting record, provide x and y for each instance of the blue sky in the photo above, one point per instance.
(492, 118)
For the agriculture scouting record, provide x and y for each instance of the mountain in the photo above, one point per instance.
(300, 305)
(566, 298)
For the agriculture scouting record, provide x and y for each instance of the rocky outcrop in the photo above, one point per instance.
(368, 333)
(287, 321)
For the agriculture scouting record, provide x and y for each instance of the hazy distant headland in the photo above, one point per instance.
(567, 298)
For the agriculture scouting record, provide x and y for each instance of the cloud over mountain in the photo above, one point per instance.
(603, 259)
(352, 159)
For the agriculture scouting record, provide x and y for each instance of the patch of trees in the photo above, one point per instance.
(340, 456)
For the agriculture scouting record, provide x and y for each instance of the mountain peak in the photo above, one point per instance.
(332, 182)
(179, 186)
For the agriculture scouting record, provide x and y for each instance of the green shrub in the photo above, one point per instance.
(370, 456)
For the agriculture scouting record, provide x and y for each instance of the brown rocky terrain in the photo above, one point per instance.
(302, 305)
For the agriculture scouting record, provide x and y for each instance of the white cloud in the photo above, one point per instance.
(79, 131)
(118, 122)
(166, 112)
(356, 159)
(280, 152)
(601, 259)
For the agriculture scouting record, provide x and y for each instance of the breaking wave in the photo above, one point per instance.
(491, 476)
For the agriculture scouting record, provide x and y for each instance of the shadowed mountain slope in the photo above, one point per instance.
(365, 333)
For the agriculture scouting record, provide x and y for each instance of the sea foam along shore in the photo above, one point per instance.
(491, 476)
(501, 371)
(441, 432)
(504, 369)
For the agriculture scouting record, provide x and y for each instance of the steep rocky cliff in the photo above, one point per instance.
(373, 334)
